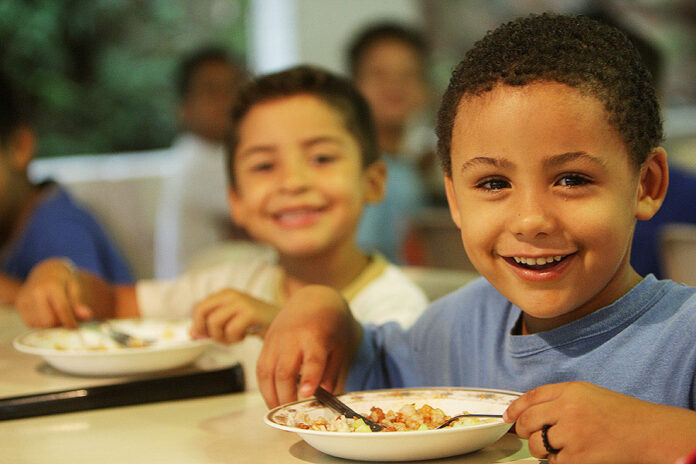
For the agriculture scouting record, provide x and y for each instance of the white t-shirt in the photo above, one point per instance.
(193, 212)
(382, 292)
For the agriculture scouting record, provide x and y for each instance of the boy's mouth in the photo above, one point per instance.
(541, 263)
(297, 217)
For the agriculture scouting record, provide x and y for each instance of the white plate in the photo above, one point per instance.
(402, 446)
(101, 356)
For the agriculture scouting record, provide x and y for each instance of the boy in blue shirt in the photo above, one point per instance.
(42, 221)
(549, 138)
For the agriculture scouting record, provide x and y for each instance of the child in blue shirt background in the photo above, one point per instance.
(42, 221)
(549, 137)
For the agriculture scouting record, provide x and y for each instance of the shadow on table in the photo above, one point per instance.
(507, 449)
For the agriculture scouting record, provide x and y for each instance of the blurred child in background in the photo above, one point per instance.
(42, 221)
(303, 163)
(193, 213)
(388, 63)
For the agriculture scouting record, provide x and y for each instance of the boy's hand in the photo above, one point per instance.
(228, 316)
(590, 424)
(52, 296)
(311, 341)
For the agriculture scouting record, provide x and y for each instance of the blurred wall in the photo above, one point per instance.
(287, 32)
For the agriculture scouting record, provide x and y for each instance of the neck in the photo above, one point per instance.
(615, 290)
(336, 269)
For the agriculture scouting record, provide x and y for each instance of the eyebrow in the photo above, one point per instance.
(550, 162)
(563, 158)
(486, 161)
(270, 148)
(322, 139)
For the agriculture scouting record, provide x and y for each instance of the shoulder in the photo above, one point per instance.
(390, 296)
(678, 301)
(476, 301)
(60, 210)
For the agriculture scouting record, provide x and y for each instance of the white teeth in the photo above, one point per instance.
(537, 261)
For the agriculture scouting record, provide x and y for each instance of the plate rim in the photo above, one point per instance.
(130, 351)
(267, 416)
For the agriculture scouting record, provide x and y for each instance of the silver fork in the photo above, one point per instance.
(327, 399)
(456, 418)
(122, 338)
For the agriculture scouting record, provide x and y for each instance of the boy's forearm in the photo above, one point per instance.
(8, 289)
(675, 436)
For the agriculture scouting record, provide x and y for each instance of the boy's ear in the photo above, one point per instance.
(452, 201)
(237, 210)
(375, 181)
(652, 186)
(22, 148)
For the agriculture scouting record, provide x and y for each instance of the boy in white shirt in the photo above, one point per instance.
(302, 164)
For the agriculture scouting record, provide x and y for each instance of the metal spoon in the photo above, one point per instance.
(456, 418)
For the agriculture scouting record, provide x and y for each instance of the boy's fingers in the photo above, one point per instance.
(312, 370)
(286, 376)
(265, 367)
(533, 397)
(236, 327)
(41, 314)
(331, 371)
(537, 447)
(60, 304)
(74, 294)
(217, 322)
(201, 311)
(535, 417)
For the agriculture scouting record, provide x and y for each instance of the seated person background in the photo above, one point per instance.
(41, 221)
(387, 63)
(549, 135)
(303, 164)
(193, 213)
(679, 206)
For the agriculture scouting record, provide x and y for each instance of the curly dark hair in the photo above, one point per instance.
(592, 57)
(337, 92)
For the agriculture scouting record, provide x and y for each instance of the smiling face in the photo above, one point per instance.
(299, 181)
(546, 199)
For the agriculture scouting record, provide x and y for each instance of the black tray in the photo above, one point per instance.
(164, 388)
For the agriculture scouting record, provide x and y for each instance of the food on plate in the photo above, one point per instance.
(407, 419)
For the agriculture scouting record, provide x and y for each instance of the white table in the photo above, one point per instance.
(216, 429)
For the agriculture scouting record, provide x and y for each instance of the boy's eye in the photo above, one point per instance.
(261, 167)
(323, 159)
(493, 184)
(572, 180)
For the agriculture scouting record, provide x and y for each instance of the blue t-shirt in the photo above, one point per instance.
(384, 226)
(58, 227)
(642, 345)
(679, 207)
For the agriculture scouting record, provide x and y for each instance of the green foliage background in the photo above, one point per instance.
(101, 72)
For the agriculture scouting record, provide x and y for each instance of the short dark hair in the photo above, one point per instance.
(386, 30)
(592, 57)
(13, 109)
(203, 55)
(337, 92)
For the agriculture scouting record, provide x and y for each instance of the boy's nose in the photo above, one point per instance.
(295, 176)
(532, 218)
